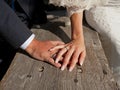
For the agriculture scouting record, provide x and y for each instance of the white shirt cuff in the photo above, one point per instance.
(27, 42)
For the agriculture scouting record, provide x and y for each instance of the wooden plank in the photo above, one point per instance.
(26, 73)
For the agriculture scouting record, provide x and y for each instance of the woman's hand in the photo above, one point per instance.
(40, 50)
(72, 53)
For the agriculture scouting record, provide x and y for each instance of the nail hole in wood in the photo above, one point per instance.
(41, 69)
(105, 72)
(75, 80)
(80, 70)
(29, 76)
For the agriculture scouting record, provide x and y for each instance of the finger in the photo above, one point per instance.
(74, 60)
(51, 61)
(61, 59)
(67, 58)
(57, 47)
(57, 42)
(54, 57)
(82, 58)
(60, 54)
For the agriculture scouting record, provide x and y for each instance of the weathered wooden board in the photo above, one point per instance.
(26, 73)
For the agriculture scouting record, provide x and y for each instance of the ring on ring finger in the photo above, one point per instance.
(67, 48)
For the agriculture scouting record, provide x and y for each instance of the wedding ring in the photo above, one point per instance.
(67, 48)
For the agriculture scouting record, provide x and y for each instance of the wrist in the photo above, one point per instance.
(31, 47)
(27, 42)
(80, 38)
(77, 34)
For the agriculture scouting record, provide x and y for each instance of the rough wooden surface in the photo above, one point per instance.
(26, 73)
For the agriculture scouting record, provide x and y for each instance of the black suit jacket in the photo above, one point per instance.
(32, 7)
(11, 27)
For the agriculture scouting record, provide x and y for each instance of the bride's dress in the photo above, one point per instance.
(106, 20)
(74, 6)
(104, 17)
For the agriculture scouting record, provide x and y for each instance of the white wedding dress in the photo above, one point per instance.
(74, 6)
(106, 20)
(104, 17)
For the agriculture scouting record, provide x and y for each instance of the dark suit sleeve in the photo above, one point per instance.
(11, 27)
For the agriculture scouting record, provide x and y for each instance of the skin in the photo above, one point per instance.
(37, 51)
(70, 54)
(75, 52)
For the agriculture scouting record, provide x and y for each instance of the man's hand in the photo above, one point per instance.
(40, 50)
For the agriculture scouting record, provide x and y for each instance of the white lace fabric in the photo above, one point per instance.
(75, 6)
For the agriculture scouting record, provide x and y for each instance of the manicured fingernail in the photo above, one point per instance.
(81, 63)
(56, 61)
(70, 69)
(62, 68)
(59, 65)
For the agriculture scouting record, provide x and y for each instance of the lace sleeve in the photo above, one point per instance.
(75, 6)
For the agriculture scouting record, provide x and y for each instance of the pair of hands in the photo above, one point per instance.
(69, 54)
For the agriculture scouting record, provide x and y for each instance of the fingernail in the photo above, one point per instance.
(70, 69)
(62, 68)
(59, 65)
(81, 63)
(56, 61)
(50, 49)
